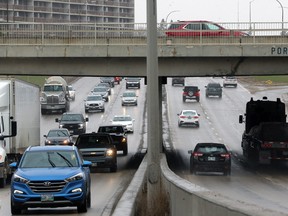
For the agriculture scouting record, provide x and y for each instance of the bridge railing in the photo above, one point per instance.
(136, 34)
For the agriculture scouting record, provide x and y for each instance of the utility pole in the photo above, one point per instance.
(154, 111)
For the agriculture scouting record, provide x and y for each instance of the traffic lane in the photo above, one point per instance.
(243, 179)
(83, 87)
(103, 195)
(100, 178)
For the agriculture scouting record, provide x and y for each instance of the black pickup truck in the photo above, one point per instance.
(118, 135)
(99, 149)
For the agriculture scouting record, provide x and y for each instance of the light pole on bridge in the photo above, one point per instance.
(250, 27)
(282, 33)
(166, 20)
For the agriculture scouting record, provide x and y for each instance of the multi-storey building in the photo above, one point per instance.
(73, 11)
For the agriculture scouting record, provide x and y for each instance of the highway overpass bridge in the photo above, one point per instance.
(60, 49)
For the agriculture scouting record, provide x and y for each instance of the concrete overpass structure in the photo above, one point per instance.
(54, 51)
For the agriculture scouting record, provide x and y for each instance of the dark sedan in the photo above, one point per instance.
(210, 157)
(59, 136)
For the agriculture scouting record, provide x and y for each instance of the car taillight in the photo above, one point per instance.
(197, 93)
(226, 155)
(182, 116)
(197, 154)
(195, 117)
(185, 93)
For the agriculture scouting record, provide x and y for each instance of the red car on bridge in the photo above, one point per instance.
(200, 28)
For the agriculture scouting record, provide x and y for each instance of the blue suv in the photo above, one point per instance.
(51, 176)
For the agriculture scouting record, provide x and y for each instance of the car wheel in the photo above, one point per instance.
(191, 167)
(107, 100)
(184, 99)
(220, 96)
(89, 200)
(113, 168)
(179, 124)
(197, 99)
(226, 173)
(103, 110)
(5, 174)
(125, 151)
(2, 182)
(14, 209)
(83, 207)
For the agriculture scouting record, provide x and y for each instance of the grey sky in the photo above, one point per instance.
(215, 10)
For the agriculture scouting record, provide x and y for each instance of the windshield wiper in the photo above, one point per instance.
(50, 161)
(65, 159)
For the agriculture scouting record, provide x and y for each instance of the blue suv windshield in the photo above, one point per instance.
(48, 159)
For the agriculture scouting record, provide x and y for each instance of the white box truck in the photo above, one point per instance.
(19, 102)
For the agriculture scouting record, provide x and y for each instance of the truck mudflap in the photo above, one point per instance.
(264, 157)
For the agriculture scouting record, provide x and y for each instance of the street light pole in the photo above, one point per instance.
(250, 27)
(282, 16)
(169, 15)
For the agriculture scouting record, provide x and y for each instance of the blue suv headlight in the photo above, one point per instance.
(77, 177)
(20, 179)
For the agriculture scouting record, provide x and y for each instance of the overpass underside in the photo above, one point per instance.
(130, 60)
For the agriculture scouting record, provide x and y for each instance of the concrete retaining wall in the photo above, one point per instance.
(186, 198)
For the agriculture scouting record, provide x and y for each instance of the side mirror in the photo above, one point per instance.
(14, 128)
(240, 119)
(87, 163)
(56, 120)
(45, 136)
(13, 165)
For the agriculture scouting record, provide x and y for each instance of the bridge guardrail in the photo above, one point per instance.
(135, 34)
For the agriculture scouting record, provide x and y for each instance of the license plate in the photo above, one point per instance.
(189, 117)
(71, 131)
(47, 197)
(94, 164)
(211, 159)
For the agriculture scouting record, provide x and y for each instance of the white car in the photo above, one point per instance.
(230, 81)
(94, 103)
(125, 120)
(188, 117)
(72, 92)
(129, 98)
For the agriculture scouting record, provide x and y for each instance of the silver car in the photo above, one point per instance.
(101, 90)
(72, 92)
(129, 98)
(94, 103)
(107, 85)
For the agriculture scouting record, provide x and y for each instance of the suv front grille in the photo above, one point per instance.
(46, 186)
